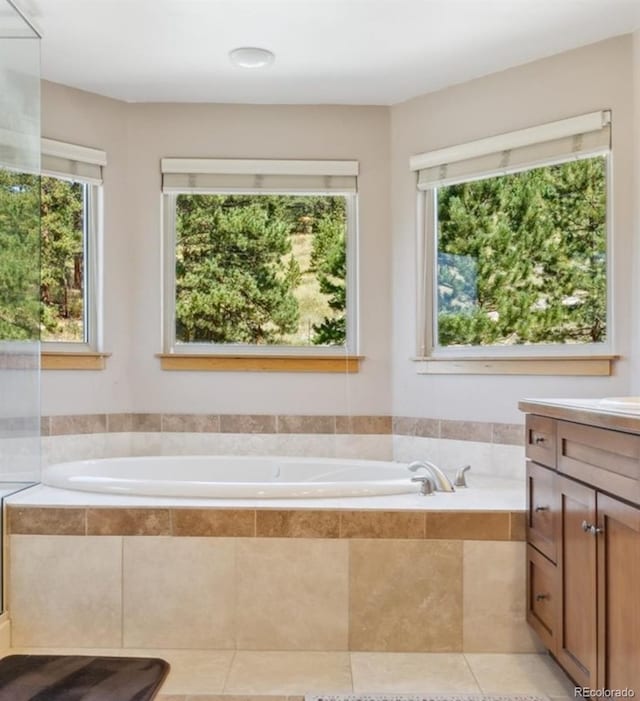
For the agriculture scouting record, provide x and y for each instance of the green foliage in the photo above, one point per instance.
(19, 255)
(329, 258)
(236, 272)
(522, 257)
(62, 259)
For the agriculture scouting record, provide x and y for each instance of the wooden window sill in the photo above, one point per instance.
(570, 365)
(260, 363)
(54, 360)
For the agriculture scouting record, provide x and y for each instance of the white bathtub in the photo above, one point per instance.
(231, 477)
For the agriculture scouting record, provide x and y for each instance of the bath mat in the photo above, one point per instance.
(80, 678)
(423, 697)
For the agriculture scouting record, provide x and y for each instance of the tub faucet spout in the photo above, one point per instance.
(443, 483)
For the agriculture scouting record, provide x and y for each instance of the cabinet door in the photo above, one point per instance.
(576, 626)
(542, 509)
(542, 582)
(618, 595)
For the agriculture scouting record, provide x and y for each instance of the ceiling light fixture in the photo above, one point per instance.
(251, 57)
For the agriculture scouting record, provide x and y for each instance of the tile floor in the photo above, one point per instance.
(205, 675)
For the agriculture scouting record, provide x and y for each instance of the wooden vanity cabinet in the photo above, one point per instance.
(583, 551)
(618, 594)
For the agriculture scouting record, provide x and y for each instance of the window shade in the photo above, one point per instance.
(78, 163)
(577, 137)
(232, 175)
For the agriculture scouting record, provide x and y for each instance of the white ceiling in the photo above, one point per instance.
(327, 51)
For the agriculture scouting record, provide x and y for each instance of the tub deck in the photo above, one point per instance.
(485, 493)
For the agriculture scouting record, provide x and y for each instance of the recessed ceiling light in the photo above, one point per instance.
(251, 57)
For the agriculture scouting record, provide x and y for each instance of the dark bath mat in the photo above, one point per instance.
(80, 678)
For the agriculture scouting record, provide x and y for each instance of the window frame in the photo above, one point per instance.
(84, 165)
(427, 298)
(172, 347)
(92, 273)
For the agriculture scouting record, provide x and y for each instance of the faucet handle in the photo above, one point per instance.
(427, 486)
(460, 480)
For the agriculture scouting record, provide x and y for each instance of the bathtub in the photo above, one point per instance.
(222, 476)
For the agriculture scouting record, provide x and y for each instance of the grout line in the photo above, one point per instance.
(470, 668)
(228, 673)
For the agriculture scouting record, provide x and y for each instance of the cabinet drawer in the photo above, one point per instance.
(541, 597)
(542, 509)
(540, 440)
(609, 460)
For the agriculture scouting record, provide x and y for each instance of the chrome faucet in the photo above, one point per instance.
(442, 482)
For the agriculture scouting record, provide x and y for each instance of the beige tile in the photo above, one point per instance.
(306, 424)
(247, 423)
(179, 592)
(363, 424)
(45, 521)
(231, 523)
(405, 595)
(119, 423)
(5, 635)
(146, 423)
(518, 525)
(508, 434)
(428, 428)
(494, 598)
(128, 521)
(411, 672)
(466, 430)
(45, 425)
(297, 524)
(65, 590)
(468, 525)
(382, 524)
(243, 697)
(191, 423)
(404, 425)
(292, 594)
(82, 423)
(521, 674)
(289, 673)
(196, 671)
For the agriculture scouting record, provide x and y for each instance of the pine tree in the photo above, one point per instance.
(231, 285)
(523, 257)
(19, 256)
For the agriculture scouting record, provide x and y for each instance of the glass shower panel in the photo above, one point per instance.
(19, 251)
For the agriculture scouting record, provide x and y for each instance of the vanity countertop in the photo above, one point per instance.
(603, 413)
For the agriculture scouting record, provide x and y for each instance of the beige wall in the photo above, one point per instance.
(136, 137)
(587, 79)
(90, 120)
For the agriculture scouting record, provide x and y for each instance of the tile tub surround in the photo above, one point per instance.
(506, 434)
(267, 580)
(490, 448)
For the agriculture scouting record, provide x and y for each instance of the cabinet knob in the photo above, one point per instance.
(591, 528)
(542, 597)
(539, 507)
(539, 439)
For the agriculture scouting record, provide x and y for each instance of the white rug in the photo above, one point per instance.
(423, 697)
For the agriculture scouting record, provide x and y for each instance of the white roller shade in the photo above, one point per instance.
(236, 175)
(79, 163)
(577, 137)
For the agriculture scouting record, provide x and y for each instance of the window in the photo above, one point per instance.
(515, 254)
(70, 226)
(259, 257)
